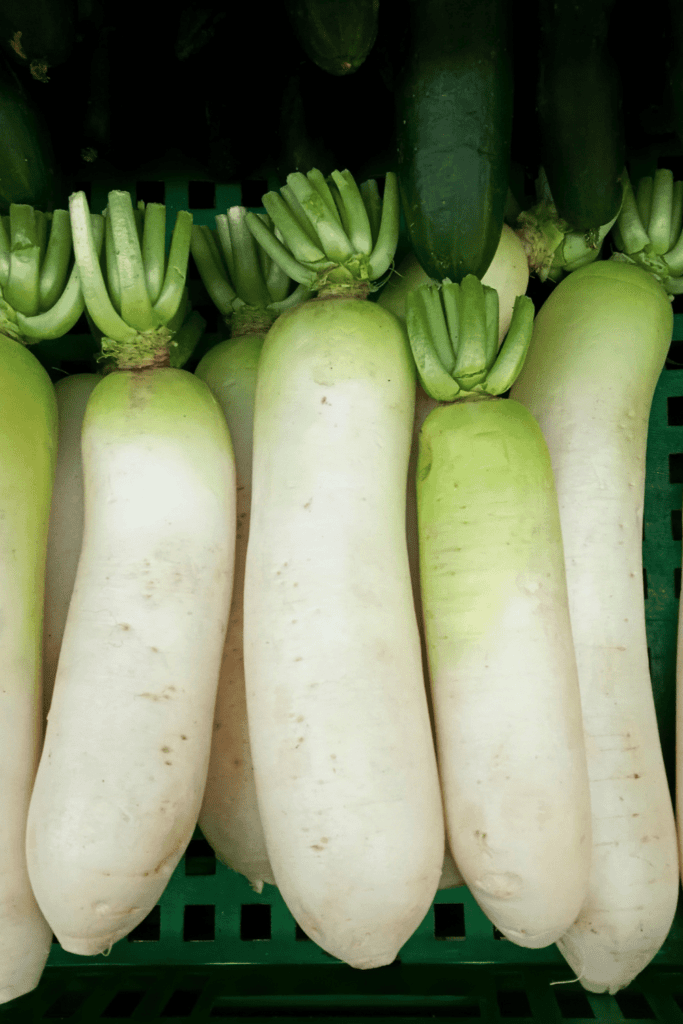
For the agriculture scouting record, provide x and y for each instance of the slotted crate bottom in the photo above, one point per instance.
(399, 994)
(213, 949)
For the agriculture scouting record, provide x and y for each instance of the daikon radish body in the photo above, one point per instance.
(342, 748)
(229, 817)
(450, 875)
(66, 520)
(125, 758)
(598, 348)
(509, 275)
(503, 675)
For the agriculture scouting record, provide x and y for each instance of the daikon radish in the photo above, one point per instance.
(229, 816)
(40, 298)
(66, 520)
(599, 345)
(424, 404)
(341, 742)
(503, 674)
(124, 763)
(509, 275)
(249, 291)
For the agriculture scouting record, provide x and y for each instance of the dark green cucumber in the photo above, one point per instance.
(453, 105)
(580, 112)
(38, 33)
(27, 167)
(336, 34)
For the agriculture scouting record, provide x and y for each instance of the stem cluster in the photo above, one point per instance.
(40, 292)
(649, 229)
(246, 285)
(136, 295)
(332, 232)
(453, 332)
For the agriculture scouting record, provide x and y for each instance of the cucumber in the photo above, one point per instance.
(337, 35)
(38, 33)
(27, 166)
(580, 112)
(453, 104)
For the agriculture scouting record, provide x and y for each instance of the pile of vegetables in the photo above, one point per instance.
(356, 585)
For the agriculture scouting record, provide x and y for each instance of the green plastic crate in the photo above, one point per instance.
(212, 949)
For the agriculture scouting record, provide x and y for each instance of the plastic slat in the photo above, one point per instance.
(491, 996)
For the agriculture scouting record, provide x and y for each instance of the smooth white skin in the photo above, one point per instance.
(341, 742)
(229, 816)
(124, 764)
(503, 674)
(509, 275)
(597, 351)
(66, 520)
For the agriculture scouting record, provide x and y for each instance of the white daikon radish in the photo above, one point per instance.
(599, 345)
(229, 817)
(509, 275)
(249, 290)
(124, 763)
(341, 742)
(503, 674)
(66, 520)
